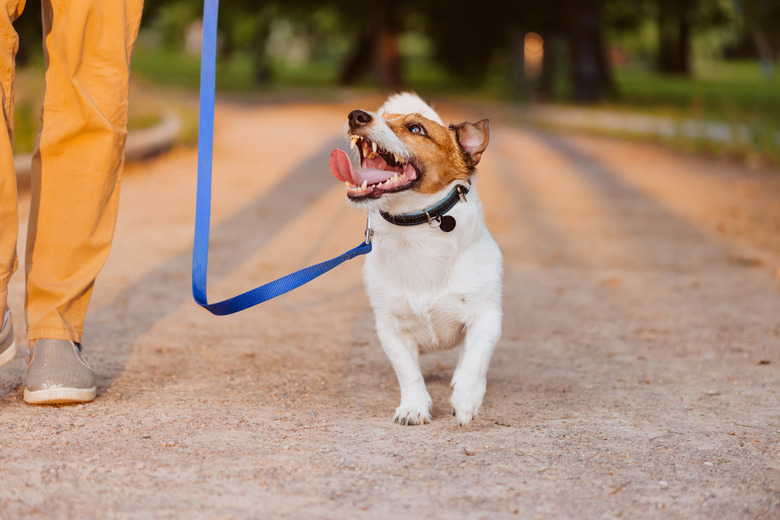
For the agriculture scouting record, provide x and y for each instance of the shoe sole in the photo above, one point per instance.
(60, 395)
(8, 355)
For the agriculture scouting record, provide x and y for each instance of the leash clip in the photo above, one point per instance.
(369, 231)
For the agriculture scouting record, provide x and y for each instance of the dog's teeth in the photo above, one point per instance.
(373, 147)
(354, 141)
(364, 185)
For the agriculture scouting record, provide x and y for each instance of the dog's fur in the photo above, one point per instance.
(430, 290)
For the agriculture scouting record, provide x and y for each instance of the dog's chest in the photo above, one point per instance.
(439, 326)
(412, 282)
(431, 320)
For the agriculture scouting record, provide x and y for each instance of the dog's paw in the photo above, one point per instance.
(411, 414)
(466, 399)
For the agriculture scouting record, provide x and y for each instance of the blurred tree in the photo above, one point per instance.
(591, 79)
(171, 19)
(376, 53)
(467, 40)
(246, 25)
(676, 22)
(30, 30)
(466, 36)
(674, 35)
(761, 22)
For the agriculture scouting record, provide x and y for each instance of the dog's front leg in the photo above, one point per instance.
(404, 355)
(470, 378)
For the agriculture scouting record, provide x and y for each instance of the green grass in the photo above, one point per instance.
(163, 67)
(735, 93)
(720, 90)
(145, 108)
(168, 68)
(28, 93)
(25, 127)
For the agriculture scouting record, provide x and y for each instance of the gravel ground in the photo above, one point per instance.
(637, 375)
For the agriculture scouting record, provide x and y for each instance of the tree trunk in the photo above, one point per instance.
(591, 79)
(30, 31)
(377, 53)
(553, 65)
(674, 37)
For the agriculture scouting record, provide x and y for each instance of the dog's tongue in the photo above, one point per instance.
(342, 169)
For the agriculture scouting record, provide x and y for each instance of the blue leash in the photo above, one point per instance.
(200, 250)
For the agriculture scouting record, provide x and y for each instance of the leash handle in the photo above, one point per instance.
(200, 249)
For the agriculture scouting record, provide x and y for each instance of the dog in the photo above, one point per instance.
(435, 273)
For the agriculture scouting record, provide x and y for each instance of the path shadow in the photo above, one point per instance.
(656, 245)
(118, 325)
(628, 205)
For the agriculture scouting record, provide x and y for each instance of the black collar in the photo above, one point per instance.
(429, 214)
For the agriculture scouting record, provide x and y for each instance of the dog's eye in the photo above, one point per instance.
(417, 129)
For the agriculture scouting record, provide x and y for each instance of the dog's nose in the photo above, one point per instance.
(358, 118)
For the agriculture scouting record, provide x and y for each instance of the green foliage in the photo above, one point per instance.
(453, 48)
(719, 90)
(736, 93)
(26, 128)
(29, 28)
(171, 20)
(28, 89)
(145, 109)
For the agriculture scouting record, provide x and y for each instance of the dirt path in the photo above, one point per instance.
(637, 376)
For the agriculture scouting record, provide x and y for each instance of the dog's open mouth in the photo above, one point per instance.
(380, 171)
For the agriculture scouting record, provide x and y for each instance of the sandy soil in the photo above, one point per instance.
(637, 376)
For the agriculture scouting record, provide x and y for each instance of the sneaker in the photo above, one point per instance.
(58, 373)
(7, 345)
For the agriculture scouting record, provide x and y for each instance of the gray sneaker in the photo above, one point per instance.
(7, 345)
(58, 373)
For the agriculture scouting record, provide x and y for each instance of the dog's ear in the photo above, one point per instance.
(473, 139)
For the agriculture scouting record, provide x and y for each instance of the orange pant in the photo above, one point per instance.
(78, 161)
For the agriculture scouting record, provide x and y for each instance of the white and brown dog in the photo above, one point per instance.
(434, 276)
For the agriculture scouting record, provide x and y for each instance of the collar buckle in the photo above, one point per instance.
(434, 222)
(462, 191)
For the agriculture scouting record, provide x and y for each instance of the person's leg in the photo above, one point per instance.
(9, 225)
(75, 179)
(78, 163)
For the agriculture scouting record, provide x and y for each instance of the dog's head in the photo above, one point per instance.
(405, 148)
